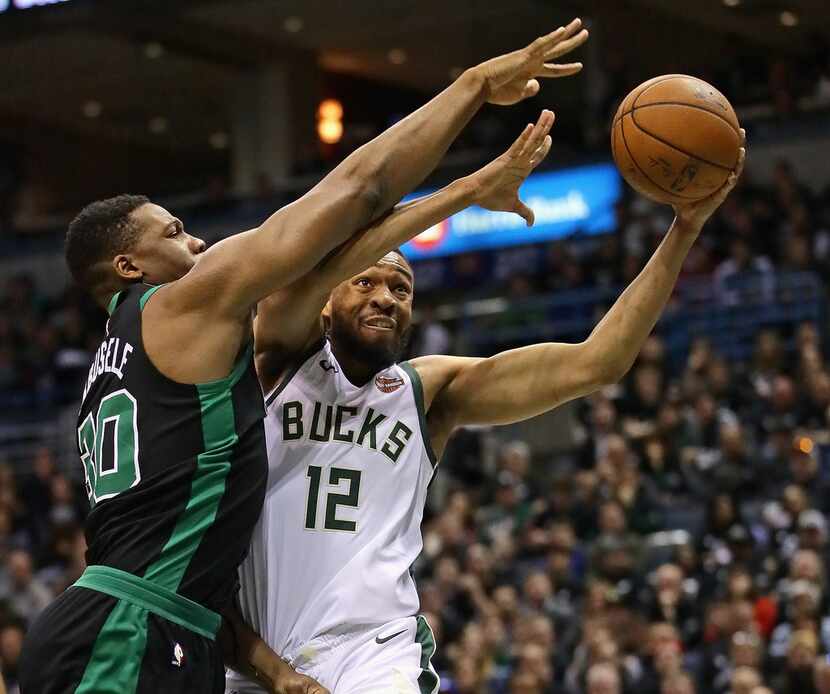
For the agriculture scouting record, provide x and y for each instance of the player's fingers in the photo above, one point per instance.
(524, 212)
(567, 45)
(557, 70)
(739, 167)
(537, 135)
(546, 42)
(741, 161)
(519, 143)
(743, 136)
(540, 154)
(530, 89)
(543, 43)
(727, 187)
(732, 179)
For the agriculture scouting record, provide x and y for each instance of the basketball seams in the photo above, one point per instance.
(677, 103)
(653, 132)
(643, 88)
(675, 147)
(643, 172)
(665, 78)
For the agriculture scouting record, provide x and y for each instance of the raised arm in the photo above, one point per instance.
(493, 187)
(525, 382)
(252, 265)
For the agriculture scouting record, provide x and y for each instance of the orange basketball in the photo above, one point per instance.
(675, 139)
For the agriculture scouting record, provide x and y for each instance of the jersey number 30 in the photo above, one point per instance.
(350, 498)
(109, 447)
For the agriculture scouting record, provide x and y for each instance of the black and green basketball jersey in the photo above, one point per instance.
(175, 473)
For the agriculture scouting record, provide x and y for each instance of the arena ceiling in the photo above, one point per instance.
(179, 61)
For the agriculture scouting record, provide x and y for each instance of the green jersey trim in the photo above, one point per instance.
(115, 662)
(428, 681)
(113, 302)
(284, 382)
(208, 484)
(220, 385)
(145, 297)
(152, 597)
(418, 392)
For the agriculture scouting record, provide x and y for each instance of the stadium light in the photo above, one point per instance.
(330, 121)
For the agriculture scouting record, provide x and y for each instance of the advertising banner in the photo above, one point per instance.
(580, 199)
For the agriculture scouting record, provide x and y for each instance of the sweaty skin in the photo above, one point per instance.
(493, 187)
(521, 383)
(197, 323)
(369, 313)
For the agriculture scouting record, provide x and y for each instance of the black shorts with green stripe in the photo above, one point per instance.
(91, 642)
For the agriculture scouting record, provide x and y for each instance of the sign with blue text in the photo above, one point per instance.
(564, 202)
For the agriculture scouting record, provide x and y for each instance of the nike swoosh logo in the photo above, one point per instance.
(388, 638)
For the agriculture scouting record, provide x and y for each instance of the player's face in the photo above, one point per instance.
(372, 311)
(164, 251)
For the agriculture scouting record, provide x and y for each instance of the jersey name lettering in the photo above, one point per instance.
(111, 357)
(329, 422)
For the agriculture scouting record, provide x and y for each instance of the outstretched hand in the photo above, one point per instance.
(514, 76)
(695, 214)
(497, 184)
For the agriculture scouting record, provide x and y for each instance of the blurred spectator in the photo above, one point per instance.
(11, 644)
(797, 677)
(431, 336)
(679, 683)
(673, 540)
(603, 678)
(25, 595)
(744, 278)
(745, 680)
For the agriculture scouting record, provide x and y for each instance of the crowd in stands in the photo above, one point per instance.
(561, 575)
(680, 545)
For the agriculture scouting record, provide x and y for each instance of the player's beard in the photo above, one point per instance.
(377, 355)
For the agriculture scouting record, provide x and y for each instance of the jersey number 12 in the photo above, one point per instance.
(350, 498)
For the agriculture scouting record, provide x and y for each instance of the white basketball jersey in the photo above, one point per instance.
(348, 474)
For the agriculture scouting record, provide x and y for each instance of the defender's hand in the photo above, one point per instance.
(295, 683)
(513, 77)
(497, 184)
(694, 215)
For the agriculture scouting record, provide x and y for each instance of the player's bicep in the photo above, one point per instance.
(520, 383)
(234, 274)
(220, 282)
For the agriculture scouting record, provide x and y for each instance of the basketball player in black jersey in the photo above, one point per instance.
(170, 426)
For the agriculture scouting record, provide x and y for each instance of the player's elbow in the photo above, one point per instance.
(362, 184)
(601, 367)
(611, 373)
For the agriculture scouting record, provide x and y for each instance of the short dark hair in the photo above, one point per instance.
(102, 229)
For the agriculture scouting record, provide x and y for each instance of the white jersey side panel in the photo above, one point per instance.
(348, 475)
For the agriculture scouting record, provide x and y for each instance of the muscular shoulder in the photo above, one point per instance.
(186, 347)
(437, 371)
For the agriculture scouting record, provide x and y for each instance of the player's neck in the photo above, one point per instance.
(356, 370)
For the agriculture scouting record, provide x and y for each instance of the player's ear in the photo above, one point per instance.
(125, 269)
(326, 315)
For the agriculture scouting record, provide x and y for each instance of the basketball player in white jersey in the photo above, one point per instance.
(354, 437)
